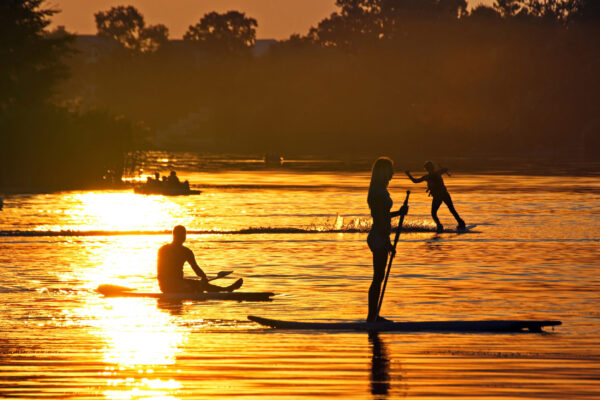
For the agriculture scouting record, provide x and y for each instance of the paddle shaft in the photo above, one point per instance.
(389, 268)
(221, 274)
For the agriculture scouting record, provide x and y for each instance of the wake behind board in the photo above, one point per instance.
(121, 291)
(428, 326)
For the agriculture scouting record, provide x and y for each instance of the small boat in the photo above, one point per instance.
(426, 326)
(122, 291)
(167, 186)
(165, 191)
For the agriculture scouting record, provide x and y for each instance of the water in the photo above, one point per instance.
(533, 255)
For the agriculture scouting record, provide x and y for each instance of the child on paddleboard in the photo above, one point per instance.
(437, 190)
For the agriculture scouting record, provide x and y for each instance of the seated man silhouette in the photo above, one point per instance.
(171, 259)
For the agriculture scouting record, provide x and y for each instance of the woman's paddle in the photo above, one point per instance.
(387, 274)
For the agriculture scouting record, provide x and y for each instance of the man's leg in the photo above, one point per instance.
(448, 201)
(202, 286)
(436, 202)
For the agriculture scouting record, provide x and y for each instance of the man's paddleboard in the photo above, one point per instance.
(429, 326)
(121, 291)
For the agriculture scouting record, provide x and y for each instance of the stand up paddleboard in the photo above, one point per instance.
(429, 326)
(122, 291)
(466, 229)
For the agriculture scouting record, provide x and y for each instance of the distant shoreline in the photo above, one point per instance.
(196, 162)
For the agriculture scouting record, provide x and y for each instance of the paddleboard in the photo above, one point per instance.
(467, 229)
(121, 291)
(428, 326)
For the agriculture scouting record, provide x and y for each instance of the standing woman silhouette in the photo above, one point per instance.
(379, 242)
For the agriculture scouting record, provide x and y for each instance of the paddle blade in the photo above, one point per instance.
(221, 274)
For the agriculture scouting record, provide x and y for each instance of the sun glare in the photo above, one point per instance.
(122, 212)
(139, 341)
(136, 333)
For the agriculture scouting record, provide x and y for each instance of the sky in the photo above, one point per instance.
(277, 19)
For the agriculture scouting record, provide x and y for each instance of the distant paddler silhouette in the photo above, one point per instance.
(437, 190)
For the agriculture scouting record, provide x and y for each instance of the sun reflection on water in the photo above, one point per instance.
(140, 340)
(128, 261)
(120, 211)
(136, 333)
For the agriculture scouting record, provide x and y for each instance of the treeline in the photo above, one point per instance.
(420, 78)
(425, 77)
(42, 145)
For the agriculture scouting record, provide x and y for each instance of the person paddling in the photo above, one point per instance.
(171, 259)
(437, 190)
(380, 203)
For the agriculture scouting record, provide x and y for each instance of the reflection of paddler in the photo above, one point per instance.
(437, 190)
(380, 366)
(380, 204)
(171, 259)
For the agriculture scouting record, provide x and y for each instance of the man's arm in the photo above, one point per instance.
(192, 261)
(417, 180)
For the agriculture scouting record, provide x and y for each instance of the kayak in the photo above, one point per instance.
(427, 326)
(121, 291)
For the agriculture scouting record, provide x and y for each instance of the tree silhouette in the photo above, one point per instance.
(551, 10)
(231, 32)
(484, 13)
(548, 10)
(508, 8)
(364, 21)
(31, 60)
(587, 11)
(42, 144)
(126, 26)
(153, 37)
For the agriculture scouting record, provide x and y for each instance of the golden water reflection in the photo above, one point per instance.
(120, 211)
(140, 340)
(524, 262)
(130, 261)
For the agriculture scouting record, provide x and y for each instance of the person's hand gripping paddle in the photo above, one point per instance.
(393, 253)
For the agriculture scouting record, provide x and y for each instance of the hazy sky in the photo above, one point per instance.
(277, 19)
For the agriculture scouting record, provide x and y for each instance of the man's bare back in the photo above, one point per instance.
(171, 259)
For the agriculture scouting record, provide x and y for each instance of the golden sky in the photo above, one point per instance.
(277, 19)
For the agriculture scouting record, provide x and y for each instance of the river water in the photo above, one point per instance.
(534, 254)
